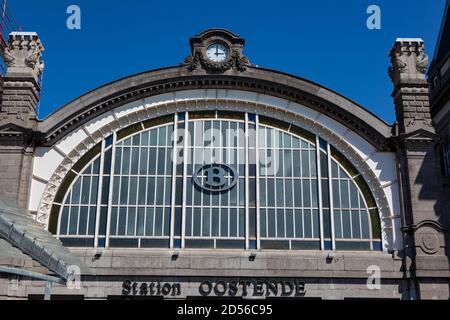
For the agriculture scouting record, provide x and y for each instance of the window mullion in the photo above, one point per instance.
(99, 194)
(174, 180)
(319, 195)
(185, 152)
(258, 218)
(330, 191)
(111, 185)
(247, 197)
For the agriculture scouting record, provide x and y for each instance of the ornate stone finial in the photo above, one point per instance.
(411, 90)
(216, 51)
(409, 61)
(21, 83)
(23, 56)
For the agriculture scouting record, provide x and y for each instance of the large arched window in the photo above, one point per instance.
(216, 180)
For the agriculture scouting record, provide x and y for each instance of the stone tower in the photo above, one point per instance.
(423, 213)
(18, 116)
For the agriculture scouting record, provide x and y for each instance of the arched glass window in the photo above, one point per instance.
(79, 213)
(217, 180)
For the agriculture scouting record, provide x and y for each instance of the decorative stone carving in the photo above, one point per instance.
(192, 62)
(408, 60)
(24, 55)
(235, 59)
(430, 243)
(422, 63)
(429, 237)
(21, 83)
(411, 93)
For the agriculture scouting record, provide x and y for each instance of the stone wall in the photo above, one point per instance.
(16, 169)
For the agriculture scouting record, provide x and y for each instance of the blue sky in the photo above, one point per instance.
(324, 41)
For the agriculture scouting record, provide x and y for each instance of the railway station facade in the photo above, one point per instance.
(218, 178)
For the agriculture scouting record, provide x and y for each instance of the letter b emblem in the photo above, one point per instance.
(216, 177)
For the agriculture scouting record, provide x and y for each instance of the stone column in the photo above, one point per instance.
(18, 116)
(424, 237)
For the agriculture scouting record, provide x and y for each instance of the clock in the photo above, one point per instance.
(217, 52)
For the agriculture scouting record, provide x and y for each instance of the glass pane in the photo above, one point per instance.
(82, 227)
(153, 137)
(122, 221)
(305, 164)
(215, 222)
(197, 222)
(158, 222)
(346, 224)
(280, 192)
(337, 224)
(134, 160)
(140, 222)
(233, 223)
(126, 161)
(167, 222)
(131, 221)
(206, 223)
(143, 161)
(86, 190)
(188, 222)
(298, 224)
(344, 194)
(356, 225)
(365, 224)
(64, 221)
(280, 224)
(241, 223)
(271, 223)
(306, 193)
(224, 223)
(263, 224)
(124, 190)
(92, 220)
(133, 191)
(308, 223)
(354, 195)
(73, 224)
(113, 224)
(288, 192)
(76, 192)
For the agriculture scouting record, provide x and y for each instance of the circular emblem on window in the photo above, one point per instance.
(216, 177)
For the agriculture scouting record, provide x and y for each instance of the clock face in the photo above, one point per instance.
(217, 52)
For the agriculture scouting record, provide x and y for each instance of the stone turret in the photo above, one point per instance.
(424, 234)
(18, 116)
(21, 84)
(411, 92)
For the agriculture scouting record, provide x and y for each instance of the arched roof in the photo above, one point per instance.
(254, 79)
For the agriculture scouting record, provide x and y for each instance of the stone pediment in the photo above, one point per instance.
(417, 136)
(12, 134)
(12, 130)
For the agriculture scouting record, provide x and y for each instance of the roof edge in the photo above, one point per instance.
(261, 78)
(28, 236)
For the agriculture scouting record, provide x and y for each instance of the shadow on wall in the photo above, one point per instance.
(431, 203)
